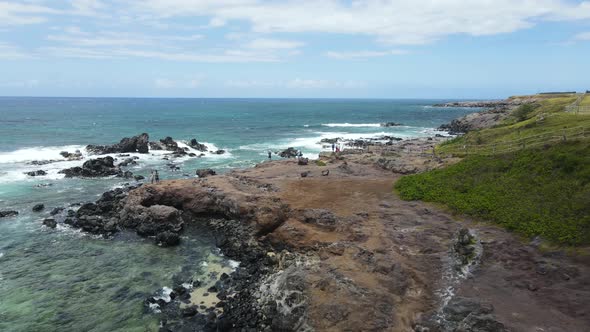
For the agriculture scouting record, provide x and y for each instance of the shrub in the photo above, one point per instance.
(523, 111)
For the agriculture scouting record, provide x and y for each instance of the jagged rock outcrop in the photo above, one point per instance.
(289, 153)
(137, 143)
(98, 167)
(197, 146)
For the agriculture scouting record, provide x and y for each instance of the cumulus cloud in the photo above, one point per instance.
(392, 22)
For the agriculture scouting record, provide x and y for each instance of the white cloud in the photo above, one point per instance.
(229, 56)
(297, 83)
(12, 13)
(392, 22)
(273, 44)
(583, 36)
(363, 54)
(164, 83)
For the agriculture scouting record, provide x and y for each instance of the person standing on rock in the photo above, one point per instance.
(269, 155)
(333, 147)
(152, 177)
(157, 177)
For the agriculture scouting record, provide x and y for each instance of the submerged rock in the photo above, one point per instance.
(38, 207)
(50, 222)
(72, 156)
(8, 213)
(36, 173)
(167, 239)
(391, 124)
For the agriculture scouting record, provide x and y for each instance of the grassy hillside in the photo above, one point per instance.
(520, 174)
(529, 125)
(539, 191)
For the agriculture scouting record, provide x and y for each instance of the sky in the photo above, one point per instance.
(293, 49)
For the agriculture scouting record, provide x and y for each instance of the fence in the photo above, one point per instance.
(574, 133)
(577, 108)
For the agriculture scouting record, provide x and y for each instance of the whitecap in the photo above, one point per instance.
(346, 124)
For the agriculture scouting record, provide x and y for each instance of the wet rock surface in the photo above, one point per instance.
(99, 167)
(8, 213)
(289, 153)
(137, 143)
(36, 173)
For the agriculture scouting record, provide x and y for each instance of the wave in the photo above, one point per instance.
(38, 153)
(344, 125)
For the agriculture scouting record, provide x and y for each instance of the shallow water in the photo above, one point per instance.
(64, 280)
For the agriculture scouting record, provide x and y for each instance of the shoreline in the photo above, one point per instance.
(327, 245)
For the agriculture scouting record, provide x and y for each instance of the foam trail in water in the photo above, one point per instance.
(346, 124)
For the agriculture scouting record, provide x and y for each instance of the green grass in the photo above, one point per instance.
(546, 118)
(539, 191)
(586, 100)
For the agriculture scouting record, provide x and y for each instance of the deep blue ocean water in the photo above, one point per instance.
(64, 280)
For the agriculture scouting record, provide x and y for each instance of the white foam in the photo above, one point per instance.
(165, 295)
(346, 124)
(233, 264)
(38, 153)
(1, 254)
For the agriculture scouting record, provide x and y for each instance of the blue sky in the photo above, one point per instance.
(321, 48)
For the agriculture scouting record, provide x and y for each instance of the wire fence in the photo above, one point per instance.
(577, 108)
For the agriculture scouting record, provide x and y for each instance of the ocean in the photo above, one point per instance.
(62, 279)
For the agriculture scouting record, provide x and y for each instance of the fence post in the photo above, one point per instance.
(564, 137)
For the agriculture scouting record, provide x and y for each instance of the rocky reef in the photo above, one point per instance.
(99, 167)
(137, 143)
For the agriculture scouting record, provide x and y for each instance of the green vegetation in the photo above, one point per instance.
(530, 174)
(541, 191)
(529, 125)
(586, 100)
(320, 163)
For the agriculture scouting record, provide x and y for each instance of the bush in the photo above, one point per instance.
(320, 163)
(541, 191)
(523, 111)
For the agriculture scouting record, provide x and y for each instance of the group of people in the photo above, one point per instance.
(154, 177)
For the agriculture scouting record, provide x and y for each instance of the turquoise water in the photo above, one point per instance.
(64, 280)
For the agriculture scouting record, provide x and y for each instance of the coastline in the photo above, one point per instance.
(328, 246)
